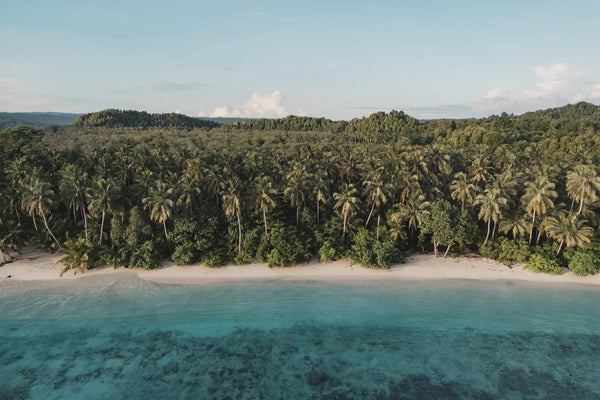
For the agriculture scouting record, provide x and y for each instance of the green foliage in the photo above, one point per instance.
(79, 254)
(539, 263)
(290, 246)
(506, 251)
(327, 251)
(113, 118)
(584, 263)
(372, 253)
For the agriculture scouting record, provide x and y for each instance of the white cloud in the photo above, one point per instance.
(259, 105)
(556, 86)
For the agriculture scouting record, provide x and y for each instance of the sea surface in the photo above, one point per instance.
(121, 337)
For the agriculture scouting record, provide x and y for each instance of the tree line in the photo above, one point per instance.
(514, 188)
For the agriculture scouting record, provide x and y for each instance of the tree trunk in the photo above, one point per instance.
(345, 216)
(580, 206)
(435, 248)
(488, 232)
(369, 217)
(494, 230)
(560, 247)
(462, 207)
(34, 223)
(317, 211)
(101, 228)
(572, 204)
(239, 235)
(297, 215)
(165, 228)
(84, 222)
(532, 225)
(378, 219)
(448, 248)
(265, 219)
(48, 228)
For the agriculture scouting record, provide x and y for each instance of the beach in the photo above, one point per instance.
(35, 264)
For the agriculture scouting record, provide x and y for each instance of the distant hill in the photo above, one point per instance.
(36, 119)
(113, 118)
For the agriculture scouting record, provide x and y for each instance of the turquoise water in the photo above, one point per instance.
(120, 337)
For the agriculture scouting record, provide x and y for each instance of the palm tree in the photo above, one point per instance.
(583, 185)
(264, 198)
(377, 194)
(296, 188)
(516, 224)
(480, 170)
(232, 204)
(74, 186)
(160, 204)
(569, 229)
(411, 211)
(188, 191)
(346, 201)
(102, 201)
(462, 189)
(490, 203)
(38, 199)
(213, 182)
(538, 198)
(321, 189)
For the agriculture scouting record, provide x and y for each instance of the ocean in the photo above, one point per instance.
(117, 336)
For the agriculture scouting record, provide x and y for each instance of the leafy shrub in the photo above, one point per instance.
(371, 253)
(539, 263)
(506, 251)
(327, 251)
(145, 256)
(289, 247)
(184, 254)
(79, 254)
(584, 263)
(215, 258)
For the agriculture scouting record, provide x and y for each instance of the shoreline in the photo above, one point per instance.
(37, 265)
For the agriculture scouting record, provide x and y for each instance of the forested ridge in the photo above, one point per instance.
(132, 188)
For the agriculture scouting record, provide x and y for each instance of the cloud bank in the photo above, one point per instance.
(556, 86)
(259, 105)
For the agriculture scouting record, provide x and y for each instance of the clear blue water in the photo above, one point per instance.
(120, 337)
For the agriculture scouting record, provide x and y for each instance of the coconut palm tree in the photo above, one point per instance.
(232, 205)
(160, 204)
(411, 211)
(462, 189)
(188, 192)
(102, 201)
(38, 199)
(378, 192)
(295, 190)
(569, 229)
(265, 194)
(346, 201)
(515, 223)
(490, 203)
(320, 189)
(583, 185)
(538, 198)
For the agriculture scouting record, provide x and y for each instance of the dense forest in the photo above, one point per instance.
(131, 189)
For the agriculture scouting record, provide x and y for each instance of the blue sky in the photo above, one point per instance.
(338, 59)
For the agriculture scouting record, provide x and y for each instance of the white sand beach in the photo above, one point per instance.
(35, 264)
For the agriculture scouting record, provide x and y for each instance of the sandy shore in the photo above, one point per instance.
(37, 265)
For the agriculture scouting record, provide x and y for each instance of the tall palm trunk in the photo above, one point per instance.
(345, 216)
(165, 228)
(239, 234)
(48, 228)
(297, 215)
(84, 222)
(488, 231)
(34, 223)
(494, 230)
(317, 211)
(101, 228)
(580, 206)
(560, 247)
(265, 220)
(532, 225)
(369, 217)
(378, 219)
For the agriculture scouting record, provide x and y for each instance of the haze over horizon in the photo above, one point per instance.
(339, 60)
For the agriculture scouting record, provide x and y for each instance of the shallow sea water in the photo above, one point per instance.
(121, 337)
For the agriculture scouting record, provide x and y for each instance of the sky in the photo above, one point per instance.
(272, 58)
